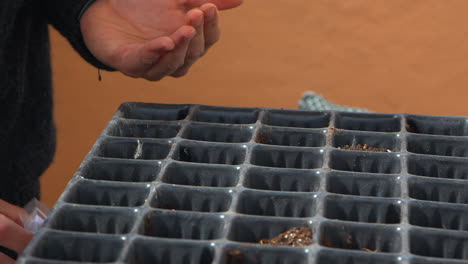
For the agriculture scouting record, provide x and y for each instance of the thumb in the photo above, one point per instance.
(221, 4)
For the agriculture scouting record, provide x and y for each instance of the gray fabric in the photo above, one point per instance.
(313, 101)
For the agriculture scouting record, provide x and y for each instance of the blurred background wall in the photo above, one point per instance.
(387, 56)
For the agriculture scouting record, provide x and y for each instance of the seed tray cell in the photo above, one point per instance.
(287, 157)
(327, 256)
(94, 220)
(143, 129)
(363, 184)
(233, 254)
(438, 167)
(182, 225)
(279, 204)
(437, 190)
(191, 199)
(193, 184)
(387, 141)
(363, 161)
(102, 169)
(431, 125)
(438, 244)
(143, 250)
(430, 145)
(363, 210)
(219, 133)
(107, 194)
(211, 154)
(76, 247)
(284, 180)
(368, 122)
(352, 236)
(133, 149)
(201, 175)
(288, 118)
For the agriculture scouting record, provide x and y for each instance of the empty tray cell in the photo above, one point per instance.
(191, 199)
(368, 122)
(426, 260)
(330, 256)
(253, 229)
(219, 133)
(226, 115)
(450, 126)
(183, 225)
(438, 167)
(207, 153)
(363, 184)
(93, 220)
(360, 237)
(438, 190)
(287, 158)
(305, 119)
(285, 205)
(89, 193)
(438, 146)
(381, 141)
(141, 129)
(201, 175)
(153, 111)
(122, 171)
(387, 163)
(237, 254)
(132, 149)
(80, 248)
(439, 244)
(380, 211)
(165, 252)
(438, 216)
(285, 180)
(291, 137)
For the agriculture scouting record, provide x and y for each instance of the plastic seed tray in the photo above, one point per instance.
(190, 184)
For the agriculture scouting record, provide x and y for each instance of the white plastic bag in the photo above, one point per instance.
(37, 212)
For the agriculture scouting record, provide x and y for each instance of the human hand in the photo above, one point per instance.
(12, 233)
(152, 38)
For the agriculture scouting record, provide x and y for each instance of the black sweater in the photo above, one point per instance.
(27, 133)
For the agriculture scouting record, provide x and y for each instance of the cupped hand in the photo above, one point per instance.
(12, 233)
(152, 38)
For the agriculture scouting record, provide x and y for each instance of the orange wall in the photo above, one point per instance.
(388, 56)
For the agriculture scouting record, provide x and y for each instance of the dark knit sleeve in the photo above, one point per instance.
(65, 16)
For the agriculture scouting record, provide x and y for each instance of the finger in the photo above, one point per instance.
(221, 4)
(175, 59)
(211, 27)
(196, 47)
(13, 236)
(13, 212)
(136, 59)
(4, 259)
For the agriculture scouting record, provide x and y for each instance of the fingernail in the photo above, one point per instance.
(212, 12)
(199, 22)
